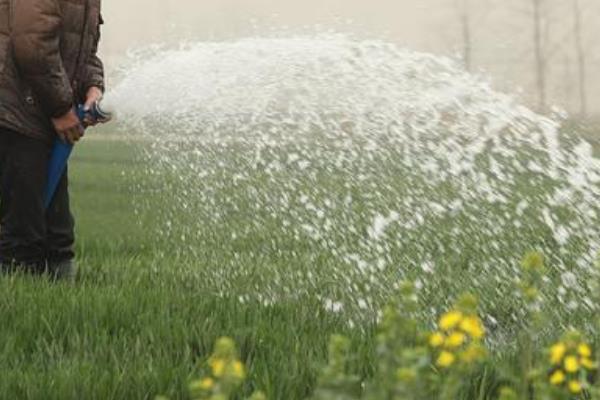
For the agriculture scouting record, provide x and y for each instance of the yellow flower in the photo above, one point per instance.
(225, 348)
(507, 393)
(406, 375)
(238, 370)
(571, 364)
(557, 352)
(217, 366)
(472, 325)
(575, 387)
(445, 359)
(533, 261)
(436, 339)
(473, 353)
(450, 320)
(531, 293)
(258, 396)
(206, 384)
(557, 378)
(587, 363)
(455, 340)
(584, 350)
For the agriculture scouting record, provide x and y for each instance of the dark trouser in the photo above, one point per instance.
(31, 236)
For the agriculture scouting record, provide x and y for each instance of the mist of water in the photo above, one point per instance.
(383, 161)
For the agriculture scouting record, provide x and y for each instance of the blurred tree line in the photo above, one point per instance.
(556, 33)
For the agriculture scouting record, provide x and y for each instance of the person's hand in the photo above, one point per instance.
(94, 95)
(68, 127)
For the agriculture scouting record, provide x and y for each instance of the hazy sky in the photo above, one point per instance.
(501, 29)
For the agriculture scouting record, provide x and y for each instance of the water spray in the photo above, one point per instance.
(357, 163)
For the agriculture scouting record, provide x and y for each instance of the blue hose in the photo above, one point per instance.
(56, 168)
(62, 151)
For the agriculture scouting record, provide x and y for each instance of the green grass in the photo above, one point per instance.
(142, 315)
(135, 325)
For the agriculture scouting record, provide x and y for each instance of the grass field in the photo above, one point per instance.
(135, 326)
(142, 316)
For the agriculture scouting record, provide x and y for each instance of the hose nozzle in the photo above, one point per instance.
(95, 113)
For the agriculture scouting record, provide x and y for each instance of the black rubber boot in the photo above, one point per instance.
(63, 271)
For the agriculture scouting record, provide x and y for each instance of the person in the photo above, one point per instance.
(48, 65)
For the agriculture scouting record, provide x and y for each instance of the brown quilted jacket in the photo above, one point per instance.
(47, 61)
